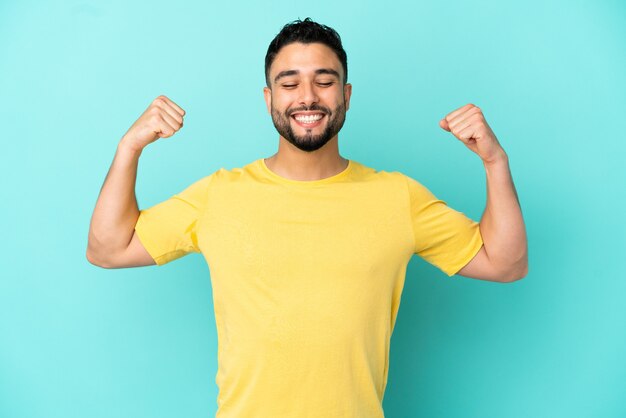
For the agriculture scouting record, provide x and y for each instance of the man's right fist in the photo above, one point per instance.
(162, 119)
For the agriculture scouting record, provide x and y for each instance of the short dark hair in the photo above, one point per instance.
(306, 31)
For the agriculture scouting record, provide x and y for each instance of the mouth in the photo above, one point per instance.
(308, 119)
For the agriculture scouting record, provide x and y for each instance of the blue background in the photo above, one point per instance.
(80, 341)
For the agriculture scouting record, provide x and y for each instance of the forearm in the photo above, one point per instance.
(502, 225)
(116, 211)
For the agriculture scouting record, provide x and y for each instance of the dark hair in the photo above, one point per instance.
(306, 31)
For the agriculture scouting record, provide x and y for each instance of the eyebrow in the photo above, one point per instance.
(287, 73)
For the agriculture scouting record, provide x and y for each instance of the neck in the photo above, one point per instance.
(295, 164)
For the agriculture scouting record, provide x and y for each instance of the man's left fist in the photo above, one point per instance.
(468, 124)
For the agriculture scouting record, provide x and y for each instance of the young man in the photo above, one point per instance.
(307, 250)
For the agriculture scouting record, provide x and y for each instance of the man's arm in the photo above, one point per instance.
(112, 227)
(112, 241)
(504, 255)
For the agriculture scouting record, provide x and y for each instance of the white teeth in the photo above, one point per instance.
(308, 118)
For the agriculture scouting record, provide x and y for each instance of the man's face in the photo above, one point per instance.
(307, 100)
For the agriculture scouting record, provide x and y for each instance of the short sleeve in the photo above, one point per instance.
(168, 230)
(444, 237)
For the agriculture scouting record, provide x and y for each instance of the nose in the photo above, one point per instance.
(308, 94)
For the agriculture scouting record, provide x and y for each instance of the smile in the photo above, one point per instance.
(308, 120)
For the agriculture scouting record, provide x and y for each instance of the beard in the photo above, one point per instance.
(309, 142)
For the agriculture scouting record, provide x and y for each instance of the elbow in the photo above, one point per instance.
(515, 274)
(96, 258)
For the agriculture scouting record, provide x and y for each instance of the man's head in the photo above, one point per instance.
(307, 32)
(307, 93)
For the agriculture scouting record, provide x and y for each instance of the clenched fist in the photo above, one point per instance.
(468, 124)
(162, 119)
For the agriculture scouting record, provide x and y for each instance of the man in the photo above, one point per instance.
(307, 250)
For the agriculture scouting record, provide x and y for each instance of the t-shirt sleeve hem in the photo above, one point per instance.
(158, 258)
(472, 249)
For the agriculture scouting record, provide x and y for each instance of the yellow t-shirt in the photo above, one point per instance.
(306, 278)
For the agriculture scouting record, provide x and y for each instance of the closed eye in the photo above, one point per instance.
(290, 86)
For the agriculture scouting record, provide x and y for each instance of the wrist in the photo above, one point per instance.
(127, 147)
(501, 158)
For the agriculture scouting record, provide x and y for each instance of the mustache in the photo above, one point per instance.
(308, 109)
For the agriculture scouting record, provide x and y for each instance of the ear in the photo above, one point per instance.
(267, 93)
(347, 92)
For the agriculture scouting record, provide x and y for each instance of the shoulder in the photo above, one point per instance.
(415, 189)
(365, 172)
(388, 184)
(227, 175)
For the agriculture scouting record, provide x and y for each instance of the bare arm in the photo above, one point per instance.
(112, 242)
(113, 221)
(504, 255)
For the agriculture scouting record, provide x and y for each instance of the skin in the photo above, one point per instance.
(112, 241)
(303, 91)
(114, 244)
(504, 255)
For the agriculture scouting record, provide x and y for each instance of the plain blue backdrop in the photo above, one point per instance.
(80, 341)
